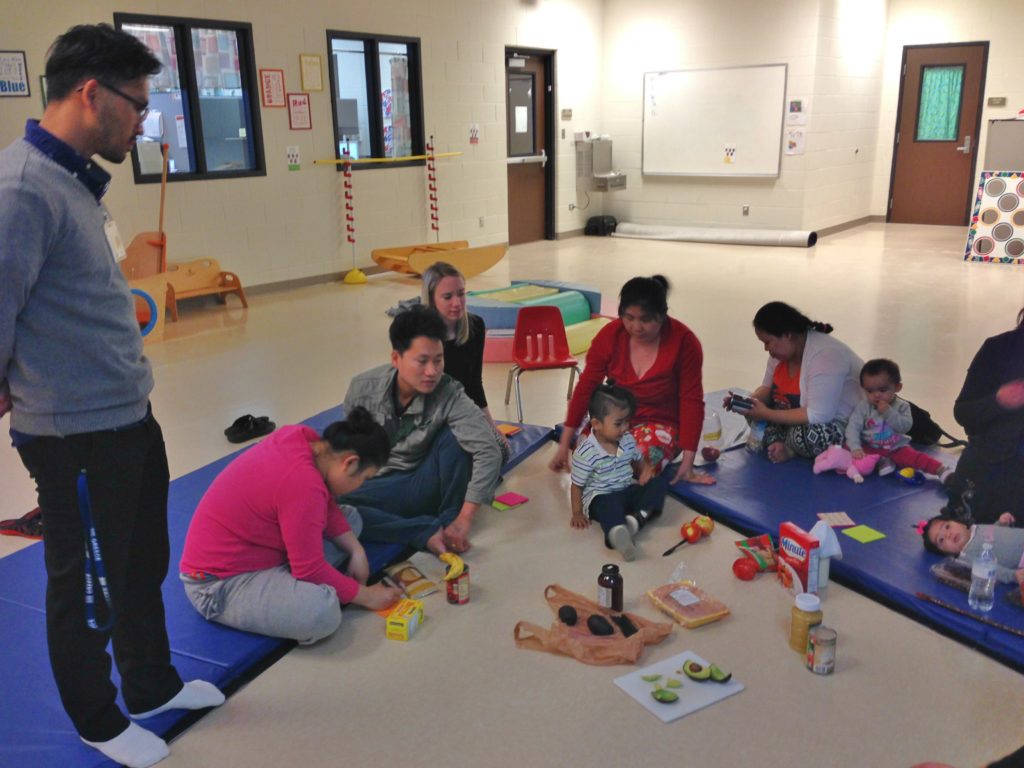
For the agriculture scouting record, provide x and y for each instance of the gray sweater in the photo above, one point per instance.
(883, 431)
(413, 433)
(70, 347)
(1007, 546)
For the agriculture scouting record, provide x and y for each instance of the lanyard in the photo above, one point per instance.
(93, 561)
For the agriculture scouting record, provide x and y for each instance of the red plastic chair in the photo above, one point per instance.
(539, 344)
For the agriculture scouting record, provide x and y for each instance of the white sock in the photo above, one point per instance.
(622, 541)
(134, 746)
(197, 694)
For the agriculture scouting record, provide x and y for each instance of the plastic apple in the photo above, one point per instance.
(705, 523)
(691, 533)
(744, 568)
(710, 454)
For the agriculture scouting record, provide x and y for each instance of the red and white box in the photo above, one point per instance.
(798, 559)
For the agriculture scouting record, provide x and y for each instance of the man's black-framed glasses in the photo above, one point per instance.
(141, 107)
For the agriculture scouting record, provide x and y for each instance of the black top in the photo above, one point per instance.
(994, 457)
(996, 433)
(465, 363)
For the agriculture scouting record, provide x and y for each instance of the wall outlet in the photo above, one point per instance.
(746, 210)
(481, 222)
(292, 155)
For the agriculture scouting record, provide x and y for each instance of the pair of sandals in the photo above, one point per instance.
(249, 427)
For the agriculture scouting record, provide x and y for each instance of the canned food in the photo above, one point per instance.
(821, 650)
(458, 588)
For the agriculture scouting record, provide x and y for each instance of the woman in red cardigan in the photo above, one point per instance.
(659, 360)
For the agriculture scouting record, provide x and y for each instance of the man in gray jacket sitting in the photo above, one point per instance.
(444, 459)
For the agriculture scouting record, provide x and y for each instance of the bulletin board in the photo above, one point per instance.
(996, 233)
(714, 122)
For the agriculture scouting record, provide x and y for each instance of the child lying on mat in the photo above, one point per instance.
(602, 473)
(879, 424)
(945, 536)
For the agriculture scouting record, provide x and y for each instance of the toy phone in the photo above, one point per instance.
(740, 403)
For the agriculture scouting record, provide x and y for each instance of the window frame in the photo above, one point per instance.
(371, 43)
(248, 76)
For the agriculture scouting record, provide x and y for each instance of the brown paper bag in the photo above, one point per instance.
(578, 642)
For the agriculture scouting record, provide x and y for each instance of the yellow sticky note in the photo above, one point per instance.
(864, 534)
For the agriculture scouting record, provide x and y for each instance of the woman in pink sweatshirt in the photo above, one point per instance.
(262, 549)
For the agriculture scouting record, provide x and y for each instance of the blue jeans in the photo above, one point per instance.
(409, 507)
(610, 509)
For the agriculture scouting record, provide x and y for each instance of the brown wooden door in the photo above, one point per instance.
(937, 126)
(529, 165)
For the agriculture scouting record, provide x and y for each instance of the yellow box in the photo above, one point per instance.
(404, 620)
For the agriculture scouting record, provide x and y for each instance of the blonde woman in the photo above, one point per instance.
(444, 290)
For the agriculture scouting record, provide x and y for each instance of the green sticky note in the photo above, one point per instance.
(864, 534)
(499, 506)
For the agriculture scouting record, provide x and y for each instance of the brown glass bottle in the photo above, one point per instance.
(609, 588)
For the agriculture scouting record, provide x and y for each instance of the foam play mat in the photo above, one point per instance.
(997, 224)
(755, 496)
(34, 730)
(499, 307)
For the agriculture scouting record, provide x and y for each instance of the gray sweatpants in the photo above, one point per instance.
(273, 602)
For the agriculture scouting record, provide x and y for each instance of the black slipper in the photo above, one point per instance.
(239, 424)
(249, 427)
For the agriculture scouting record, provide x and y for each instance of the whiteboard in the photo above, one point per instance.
(714, 122)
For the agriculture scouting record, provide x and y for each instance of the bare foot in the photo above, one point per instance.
(456, 536)
(778, 453)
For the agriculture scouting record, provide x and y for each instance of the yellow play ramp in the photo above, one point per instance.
(414, 259)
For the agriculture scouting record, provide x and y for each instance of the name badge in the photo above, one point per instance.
(117, 249)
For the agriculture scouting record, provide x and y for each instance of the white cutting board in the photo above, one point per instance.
(693, 695)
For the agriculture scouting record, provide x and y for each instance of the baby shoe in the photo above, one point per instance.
(622, 541)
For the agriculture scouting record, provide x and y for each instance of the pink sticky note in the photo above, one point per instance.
(511, 498)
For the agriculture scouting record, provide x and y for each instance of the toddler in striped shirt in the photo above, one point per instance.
(603, 467)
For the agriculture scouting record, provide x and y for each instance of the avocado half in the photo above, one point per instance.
(719, 675)
(696, 671)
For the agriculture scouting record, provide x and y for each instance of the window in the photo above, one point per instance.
(378, 105)
(938, 117)
(204, 102)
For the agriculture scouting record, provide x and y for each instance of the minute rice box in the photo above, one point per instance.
(798, 559)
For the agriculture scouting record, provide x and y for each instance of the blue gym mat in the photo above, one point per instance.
(34, 730)
(755, 496)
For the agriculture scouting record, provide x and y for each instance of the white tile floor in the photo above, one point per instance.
(460, 693)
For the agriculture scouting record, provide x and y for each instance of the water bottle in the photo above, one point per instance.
(755, 440)
(983, 580)
(711, 435)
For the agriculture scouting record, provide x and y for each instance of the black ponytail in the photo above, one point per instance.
(362, 435)
(648, 293)
(777, 318)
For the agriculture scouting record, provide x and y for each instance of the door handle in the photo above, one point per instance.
(542, 158)
(966, 148)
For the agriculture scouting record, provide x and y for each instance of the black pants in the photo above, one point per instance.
(998, 486)
(610, 509)
(128, 478)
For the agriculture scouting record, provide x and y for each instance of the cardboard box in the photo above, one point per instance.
(404, 619)
(798, 557)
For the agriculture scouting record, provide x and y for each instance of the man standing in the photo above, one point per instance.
(71, 359)
(445, 460)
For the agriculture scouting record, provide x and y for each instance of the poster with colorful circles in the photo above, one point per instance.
(997, 225)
